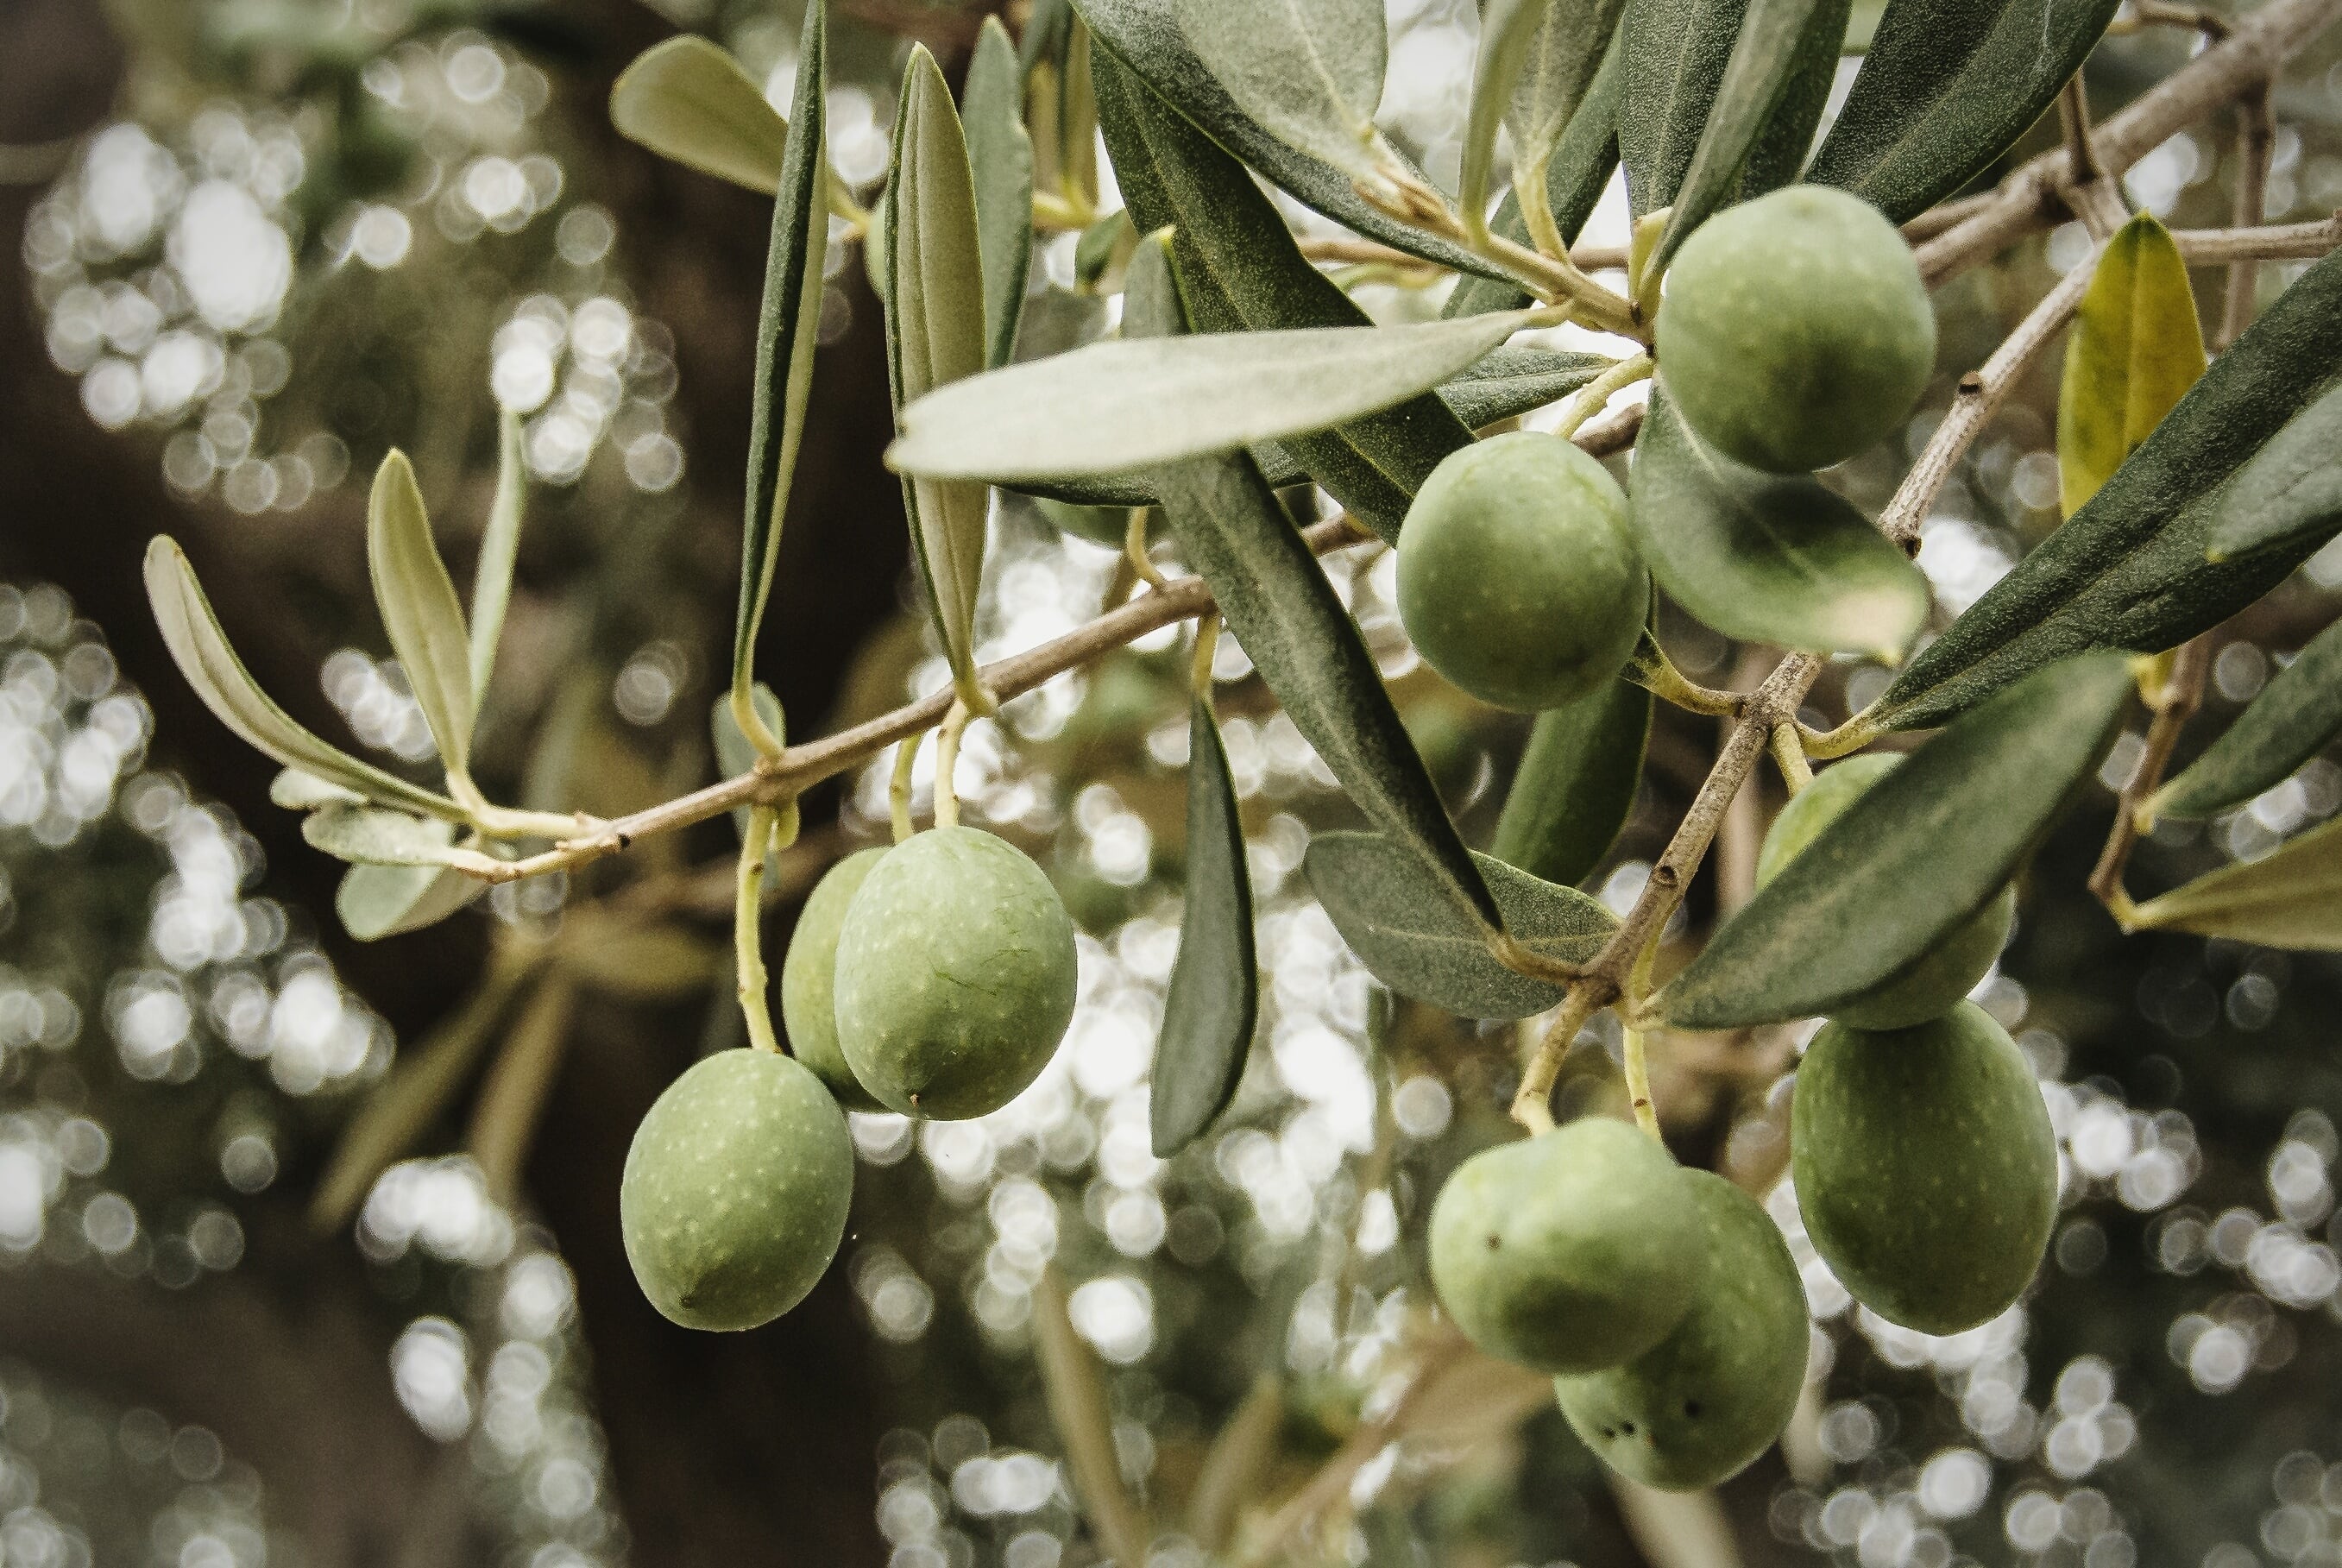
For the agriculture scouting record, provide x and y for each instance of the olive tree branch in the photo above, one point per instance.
(2255, 136)
(2172, 704)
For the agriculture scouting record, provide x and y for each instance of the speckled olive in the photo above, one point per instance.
(1926, 1167)
(1700, 1404)
(1517, 577)
(1795, 329)
(734, 1192)
(1571, 1251)
(955, 975)
(808, 980)
(1931, 985)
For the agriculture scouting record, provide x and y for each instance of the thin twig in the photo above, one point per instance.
(2255, 136)
(2181, 694)
(2084, 184)
(1077, 1407)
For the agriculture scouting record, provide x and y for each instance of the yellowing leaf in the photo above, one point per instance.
(2292, 898)
(2134, 350)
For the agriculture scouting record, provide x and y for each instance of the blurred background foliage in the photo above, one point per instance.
(308, 1249)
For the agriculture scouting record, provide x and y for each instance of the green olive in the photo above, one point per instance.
(735, 1192)
(1517, 577)
(1795, 329)
(1936, 981)
(1926, 1167)
(955, 977)
(1574, 1250)
(810, 976)
(1704, 1402)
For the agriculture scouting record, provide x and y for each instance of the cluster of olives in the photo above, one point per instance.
(934, 978)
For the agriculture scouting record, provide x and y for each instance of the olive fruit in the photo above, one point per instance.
(1936, 981)
(955, 977)
(808, 980)
(1517, 577)
(1705, 1401)
(1925, 1167)
(1795, 329)
(734, 1192)
(1574, 1250)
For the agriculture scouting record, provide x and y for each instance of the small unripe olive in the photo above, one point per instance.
(1795, 329)
(1517, 577)
(1926, 1167)
(735, 1189)
(1574, 1250)
(810, 976)
(1700, 1404)
(1936, 981)
(954, 977)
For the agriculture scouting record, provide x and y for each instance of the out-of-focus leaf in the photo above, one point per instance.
(2290, 898)
(2290, 490)
(1144, 36)
(1308, 72)
(2291, 721)
(1422, 947)
(500, 546)
(635, 961)
(1577, 172)
(1763, 557)
(298, 791)
(687, 100)
(934, 337)
(512, 1096)
(787, 327)
(369, 835)
(418, 605)
(2129, 570)
(1212, 1001)
(1284, 614)
(1575, 784)
(2134, 350)
(1102, 250)
(377, 901)
(1535, 60)
(1000, 154)
(736, 753)
(192, 632)
(1914, 857)
(1948, 86)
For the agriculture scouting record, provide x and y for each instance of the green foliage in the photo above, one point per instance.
(1536, 60)
(1212, 1001)
(2289, 490)
(1575, 783)
(1308, 72)
(2291, 898)
(418, 605)
(809, 979)
(2291, 721)
(1000, 155)
(687, 100)
(499, 548)
(2134, 350)
(371, 837)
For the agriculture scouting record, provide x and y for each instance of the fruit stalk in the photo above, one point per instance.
(747, 927)
(2174, 705)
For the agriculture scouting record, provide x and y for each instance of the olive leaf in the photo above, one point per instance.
(788, 323)
(636, 961)
(736, 753)
(512, 1095)
(1308, 72)
(1536, 61)
(687, 100)
(1288, 618)
(1913, 858)
(500, 547)
(1133, 403)
(298, 791)
(2134, 350)
(1244, 272)
(2291, 897)
(1763, 557)
(2290, 490)
(2291, 721)
(201, 650)
(1672, 58)
(1418, 944)
(1575, 783)
(377, 901)
(1577, 171)
(1213, 999)
(1946, 87)
(1143, 39)
(935, 337)
(2129, 570)
(419, 609)
(1000, 154)
(369, 835)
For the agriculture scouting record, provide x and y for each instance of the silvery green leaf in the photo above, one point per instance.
(377, 901)
(2292, 488)
(492, 580)
(1575, 783)
(298, 791)
(1309, 71)
(1536, 59)
(2290, 898)
(1133, 403)
(1000, 152)
(1577, 171)
(1212, 1001)
(369, 835)
(201, 650)
(418, 605)
(2291, 721)
(687, 100)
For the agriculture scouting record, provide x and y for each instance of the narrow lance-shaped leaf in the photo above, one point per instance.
(372, 836)
(1577, 171)
(1284, 613)
(1000, 152)
(374, 901)
(192, 632)
(500, 546)
(2129, 570)
(2290, 898)
(1673, 57)
(1766, 558)
(1914, 856)
(418, 605)
(1212, 1001)
(1418, 943)
(787, 328)
(296, 791)
(2291, 721)
(1309, 71)
(686, 99)
(2290, 491)
(934, 337)
(1575, 783)
(2135, 349)
(512, 1096)
(1536, 59)
(1779, 152)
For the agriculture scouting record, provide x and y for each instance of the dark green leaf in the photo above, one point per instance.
(2291, 490)
(417, 600)
(1946, 87)
(1104, 247)
(1576, 176)
(1417, 942)
(1914, 857)
(1767, 558)
(1673, 57)
(1000, 152)
(1212, 1001)
(1575, 783)
(499, 545)
(2291, 898)
(2295, 714)
(2129, 570)
(1782, 143)
(687, 100)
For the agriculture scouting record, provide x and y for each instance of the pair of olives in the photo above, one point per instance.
(935, 978)
(1924, 1165)
(1664, 1300)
